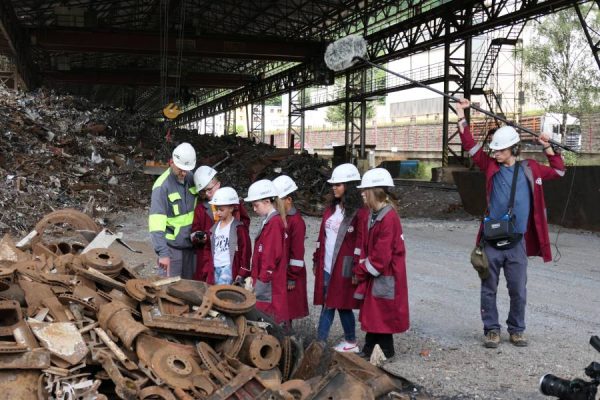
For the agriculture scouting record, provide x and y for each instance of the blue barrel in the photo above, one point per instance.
(409, 168)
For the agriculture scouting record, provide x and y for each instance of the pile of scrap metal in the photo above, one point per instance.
(63, 151)
(77, 322)
(241, 161)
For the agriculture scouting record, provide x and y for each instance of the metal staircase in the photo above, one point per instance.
(491, 55)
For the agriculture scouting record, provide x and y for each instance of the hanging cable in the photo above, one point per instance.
(164, 49)
(180, 51)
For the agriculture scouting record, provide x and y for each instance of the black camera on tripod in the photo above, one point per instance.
(576, 389)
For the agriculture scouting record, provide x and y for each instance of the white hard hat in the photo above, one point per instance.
(262, 189)
(203, 176)
(184, 157)
(504, 138)
(344, 173)
(285, 185)
(225, 196)
(376, 177)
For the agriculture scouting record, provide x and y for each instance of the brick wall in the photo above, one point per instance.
(409, 138)
(590, 133)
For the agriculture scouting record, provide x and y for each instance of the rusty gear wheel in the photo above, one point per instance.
(76, 219)
(204, 308)
(231, 346)
(140, 289)
(156, 393)
(231, 299)
(104, 260)
(213, 362)
(285, 365)
(298, 388)
(66, 298)
(176, 369)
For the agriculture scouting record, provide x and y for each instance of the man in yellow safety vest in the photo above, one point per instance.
(172, 212)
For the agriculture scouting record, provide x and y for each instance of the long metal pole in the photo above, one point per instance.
(491, 114)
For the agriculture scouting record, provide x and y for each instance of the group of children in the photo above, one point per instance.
(359, 261)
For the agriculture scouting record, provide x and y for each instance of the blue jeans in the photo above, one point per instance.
(514, 263)
(328, 314)
(223, 275)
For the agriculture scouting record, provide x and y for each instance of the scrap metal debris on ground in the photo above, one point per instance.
(78, 322)
(64, 152)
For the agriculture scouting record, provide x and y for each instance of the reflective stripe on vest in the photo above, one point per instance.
(173, 197)
(177, 223)
(157, 222)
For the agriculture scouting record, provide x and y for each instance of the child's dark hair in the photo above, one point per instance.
(351, 200)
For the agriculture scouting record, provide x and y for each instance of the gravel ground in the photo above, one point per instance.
(443, 349)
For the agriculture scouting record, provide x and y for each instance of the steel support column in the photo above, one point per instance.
(355, 113)
(229, 123)
(257, 122)
(296, 132)
(18, 42)
(446, 105)
(209, 126)
(594, 43)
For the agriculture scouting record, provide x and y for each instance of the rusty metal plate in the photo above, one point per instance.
(62, 339)
(156, 393)
(19, 384)
(9, 253)
(188, 290)
(377, 379)
(34, 359)
(310, 361)
(298, 388)
(339, 385)
(214, 328)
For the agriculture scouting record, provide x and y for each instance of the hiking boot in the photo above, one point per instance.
(492, 339)
(518, 339)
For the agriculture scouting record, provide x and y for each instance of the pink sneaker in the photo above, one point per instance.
(347, 347)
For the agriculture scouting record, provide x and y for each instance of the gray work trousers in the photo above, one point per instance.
(183, 263)
(514, 263)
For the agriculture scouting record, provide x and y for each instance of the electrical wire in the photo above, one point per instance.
(558, 255)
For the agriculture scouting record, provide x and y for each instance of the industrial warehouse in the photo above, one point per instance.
(299, 199)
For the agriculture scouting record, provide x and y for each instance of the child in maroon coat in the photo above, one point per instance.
(382, 272)
(207, 184)
(269, 260)
(230, 244)
(296, 231)
(336, 256)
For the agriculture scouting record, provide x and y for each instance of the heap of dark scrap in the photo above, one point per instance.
(79, 322)
(62, 151)
(241, 161)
